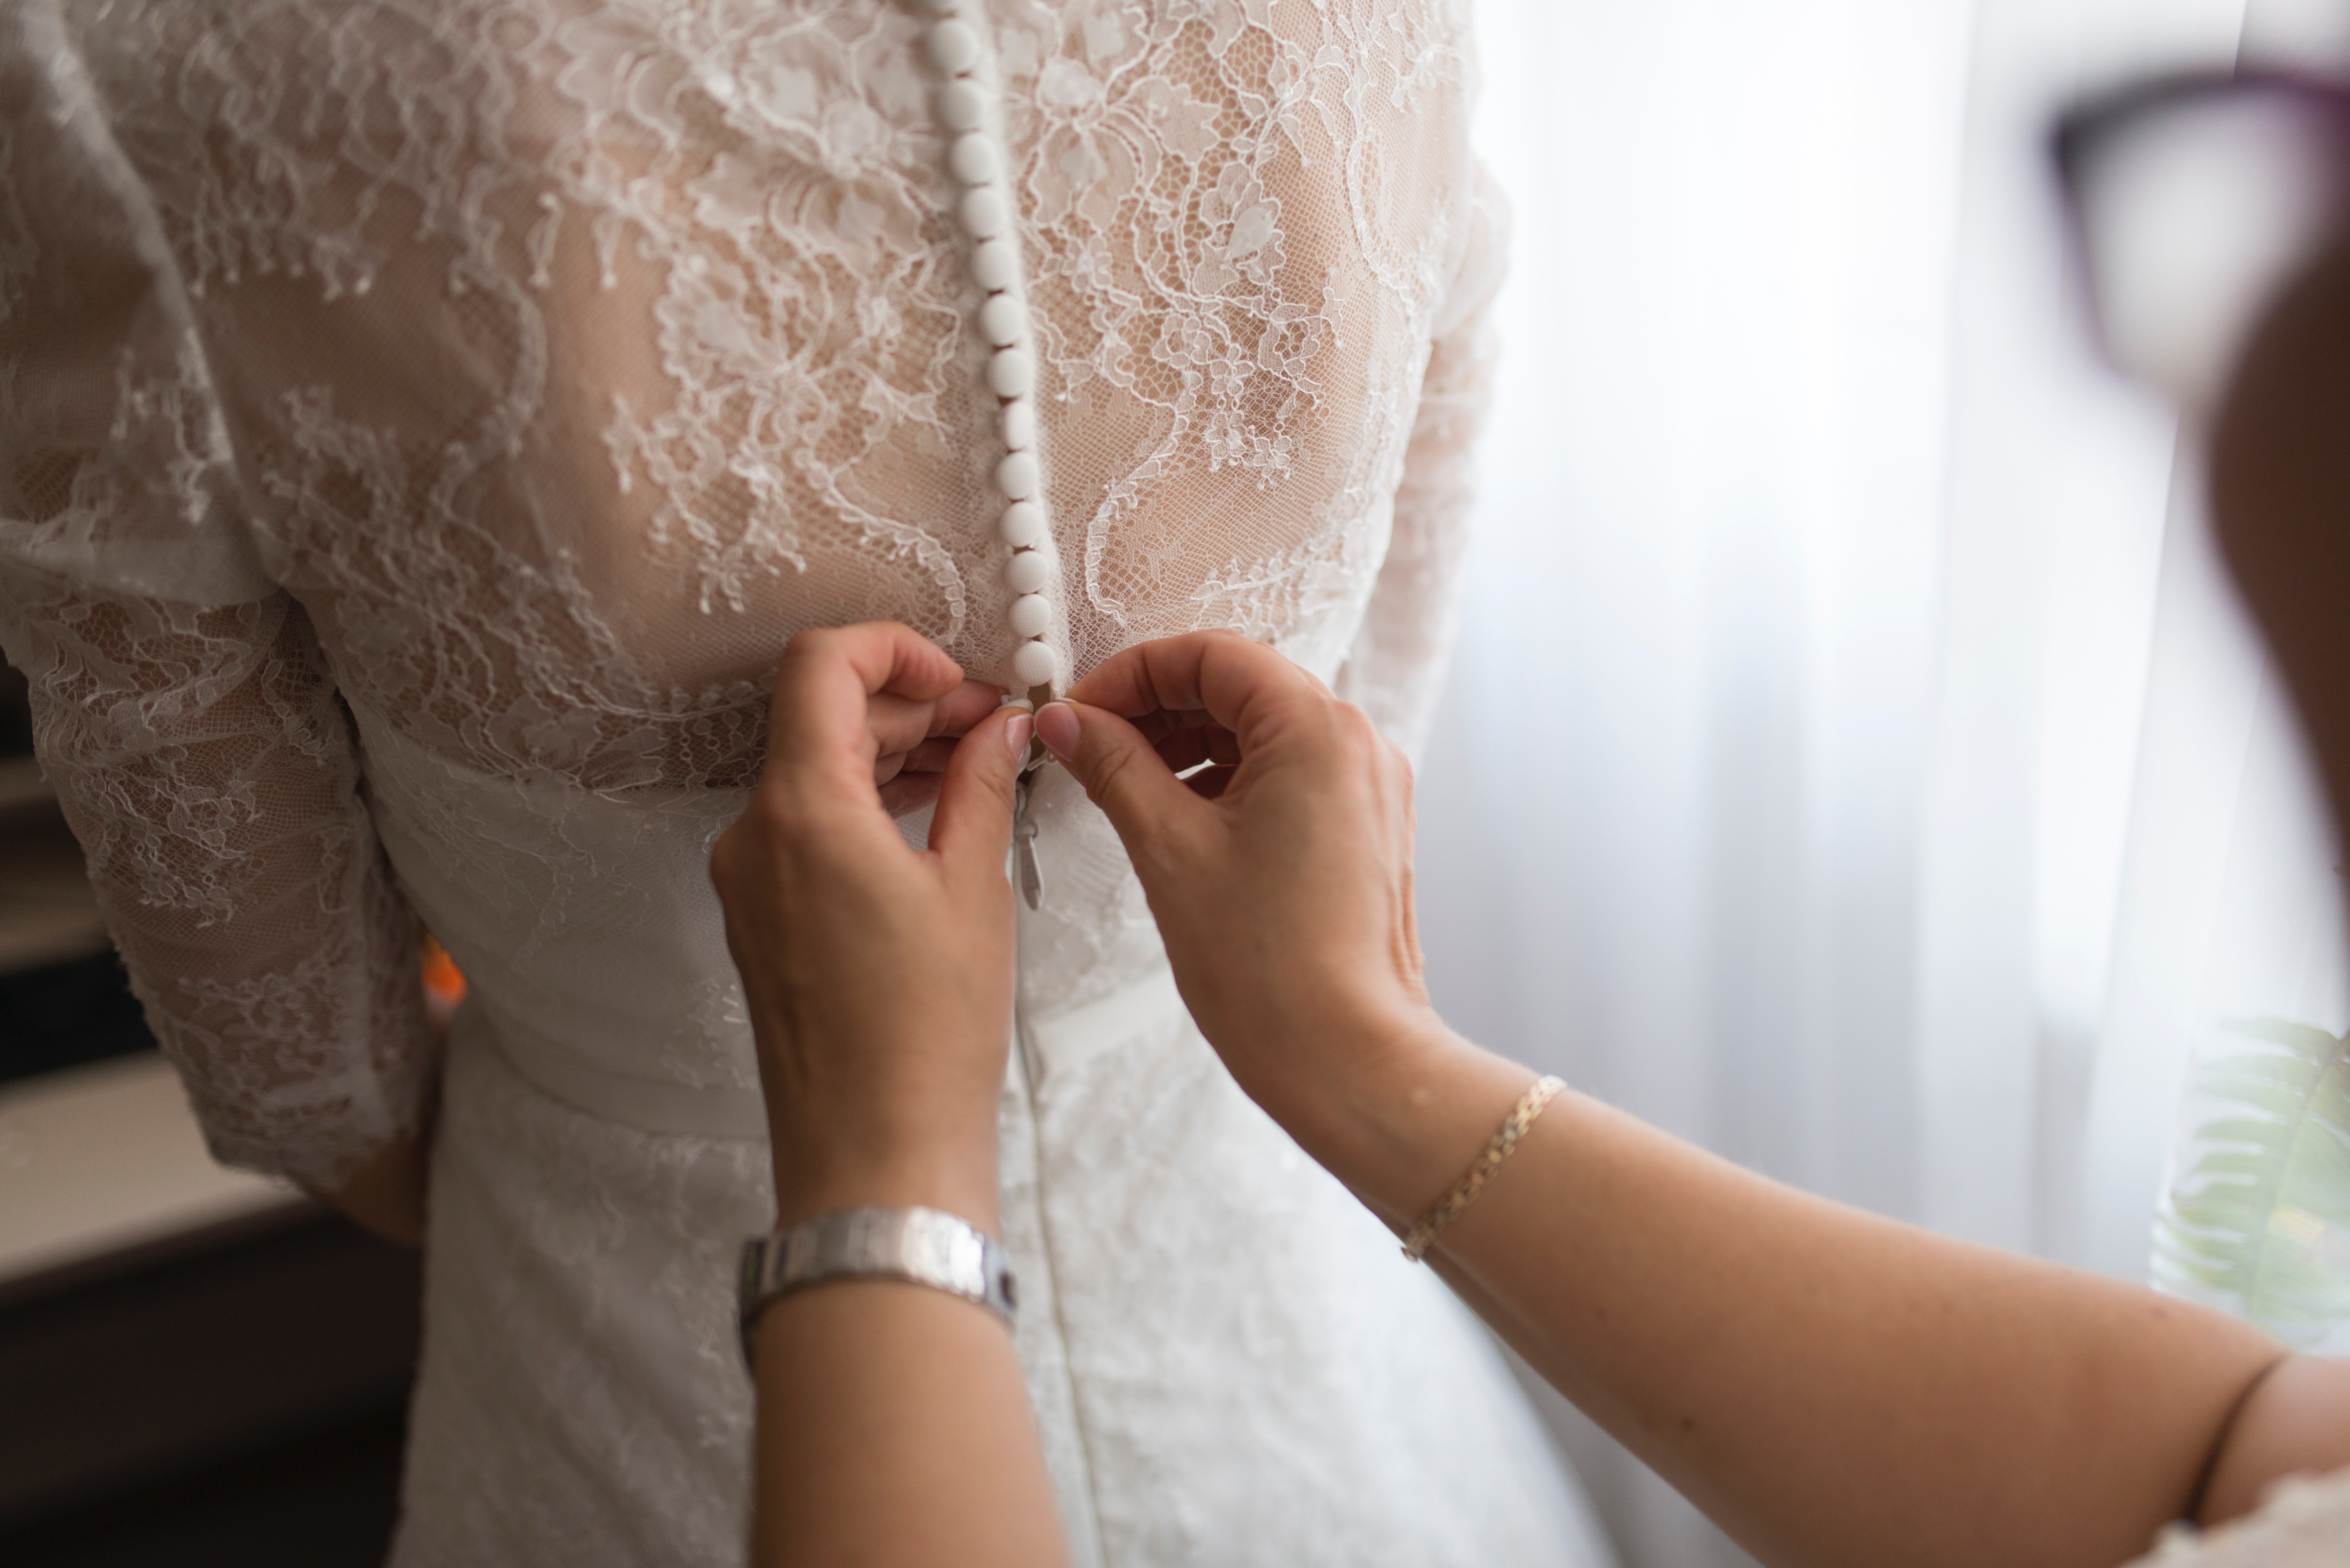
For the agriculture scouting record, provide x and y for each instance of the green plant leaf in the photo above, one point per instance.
(2258, 1219)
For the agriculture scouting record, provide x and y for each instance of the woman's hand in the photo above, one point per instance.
(878, 977)
(386, 1194)
(910, 763)
(1281, 875)
(893, 1426)
(1831, 1387)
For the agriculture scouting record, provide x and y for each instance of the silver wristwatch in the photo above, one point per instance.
(921, 1246)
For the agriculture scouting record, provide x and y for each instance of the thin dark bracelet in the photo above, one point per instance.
(2202, 1492)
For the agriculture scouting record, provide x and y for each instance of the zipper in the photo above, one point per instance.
(1026, 869)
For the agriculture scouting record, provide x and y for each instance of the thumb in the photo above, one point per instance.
(1122, 773)
(973, 824)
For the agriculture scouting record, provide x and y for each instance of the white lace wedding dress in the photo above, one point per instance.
(422, 424)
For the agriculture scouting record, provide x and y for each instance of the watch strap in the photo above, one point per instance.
(920, 1246)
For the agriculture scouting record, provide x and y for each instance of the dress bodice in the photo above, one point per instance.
(569, 356)
(519, 375)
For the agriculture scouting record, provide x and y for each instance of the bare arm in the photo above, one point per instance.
(893, 1423)
(1830, 1386)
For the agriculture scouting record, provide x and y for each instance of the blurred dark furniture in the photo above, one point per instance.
(64, 999)
(233, 1398)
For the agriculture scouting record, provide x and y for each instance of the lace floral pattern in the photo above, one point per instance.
(526, 371)
(422, 424)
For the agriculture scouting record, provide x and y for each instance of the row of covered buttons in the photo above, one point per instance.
(985, 214)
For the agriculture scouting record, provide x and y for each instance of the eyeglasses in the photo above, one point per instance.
(2194, 200)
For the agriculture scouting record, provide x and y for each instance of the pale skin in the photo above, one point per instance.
(893, 1421)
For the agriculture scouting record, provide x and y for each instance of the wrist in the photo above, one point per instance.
(953, 1170)
(969, 1195)
(1403, 1128)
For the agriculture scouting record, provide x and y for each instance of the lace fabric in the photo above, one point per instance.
(525, 373)
(422, 424)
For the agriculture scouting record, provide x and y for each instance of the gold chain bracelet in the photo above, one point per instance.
(1530, 1105)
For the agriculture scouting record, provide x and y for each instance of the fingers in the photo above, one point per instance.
(907, 731)
(1122, 773)
(902, 724)
(822, 722)
(929, 757)
(907, 778)
(909, 793)
(823, 692)
(967, 705)
(1246, 687)
(972, 830)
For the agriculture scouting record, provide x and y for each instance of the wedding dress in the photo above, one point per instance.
(2304, 1522)
(425, 421)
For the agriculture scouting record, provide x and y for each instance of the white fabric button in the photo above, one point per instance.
(995, 265)
(973, 158)
(981, 213)
(1035, 664)
(1031, 614)
(954, 48)
(1026, 573)
(1011, 374)
(1016, 476)
(963, 106)
(1019, 425)
(1022, 526)
(1004, 320)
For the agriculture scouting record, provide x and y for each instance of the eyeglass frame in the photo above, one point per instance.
(2093, 121)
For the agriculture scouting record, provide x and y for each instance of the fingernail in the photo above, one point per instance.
(1057, 723)
(1016, 733)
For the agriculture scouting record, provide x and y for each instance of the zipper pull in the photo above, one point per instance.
(1031, 874)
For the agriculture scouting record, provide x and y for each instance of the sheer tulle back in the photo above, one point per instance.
(524, 372)
(575, 355)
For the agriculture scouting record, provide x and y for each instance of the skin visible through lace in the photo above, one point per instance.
(519, 377)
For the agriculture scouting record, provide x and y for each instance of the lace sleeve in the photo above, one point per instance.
(1396, 668)
(180, 706)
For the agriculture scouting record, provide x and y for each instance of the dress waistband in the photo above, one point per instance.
(651, 1104)
(1058, 1045)
(1052, 1046)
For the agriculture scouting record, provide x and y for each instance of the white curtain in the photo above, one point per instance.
(1853, 761)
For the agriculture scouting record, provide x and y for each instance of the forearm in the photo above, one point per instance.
(894, 1429)
(893, 1421)
(893, 1424)
(1832, 1388)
